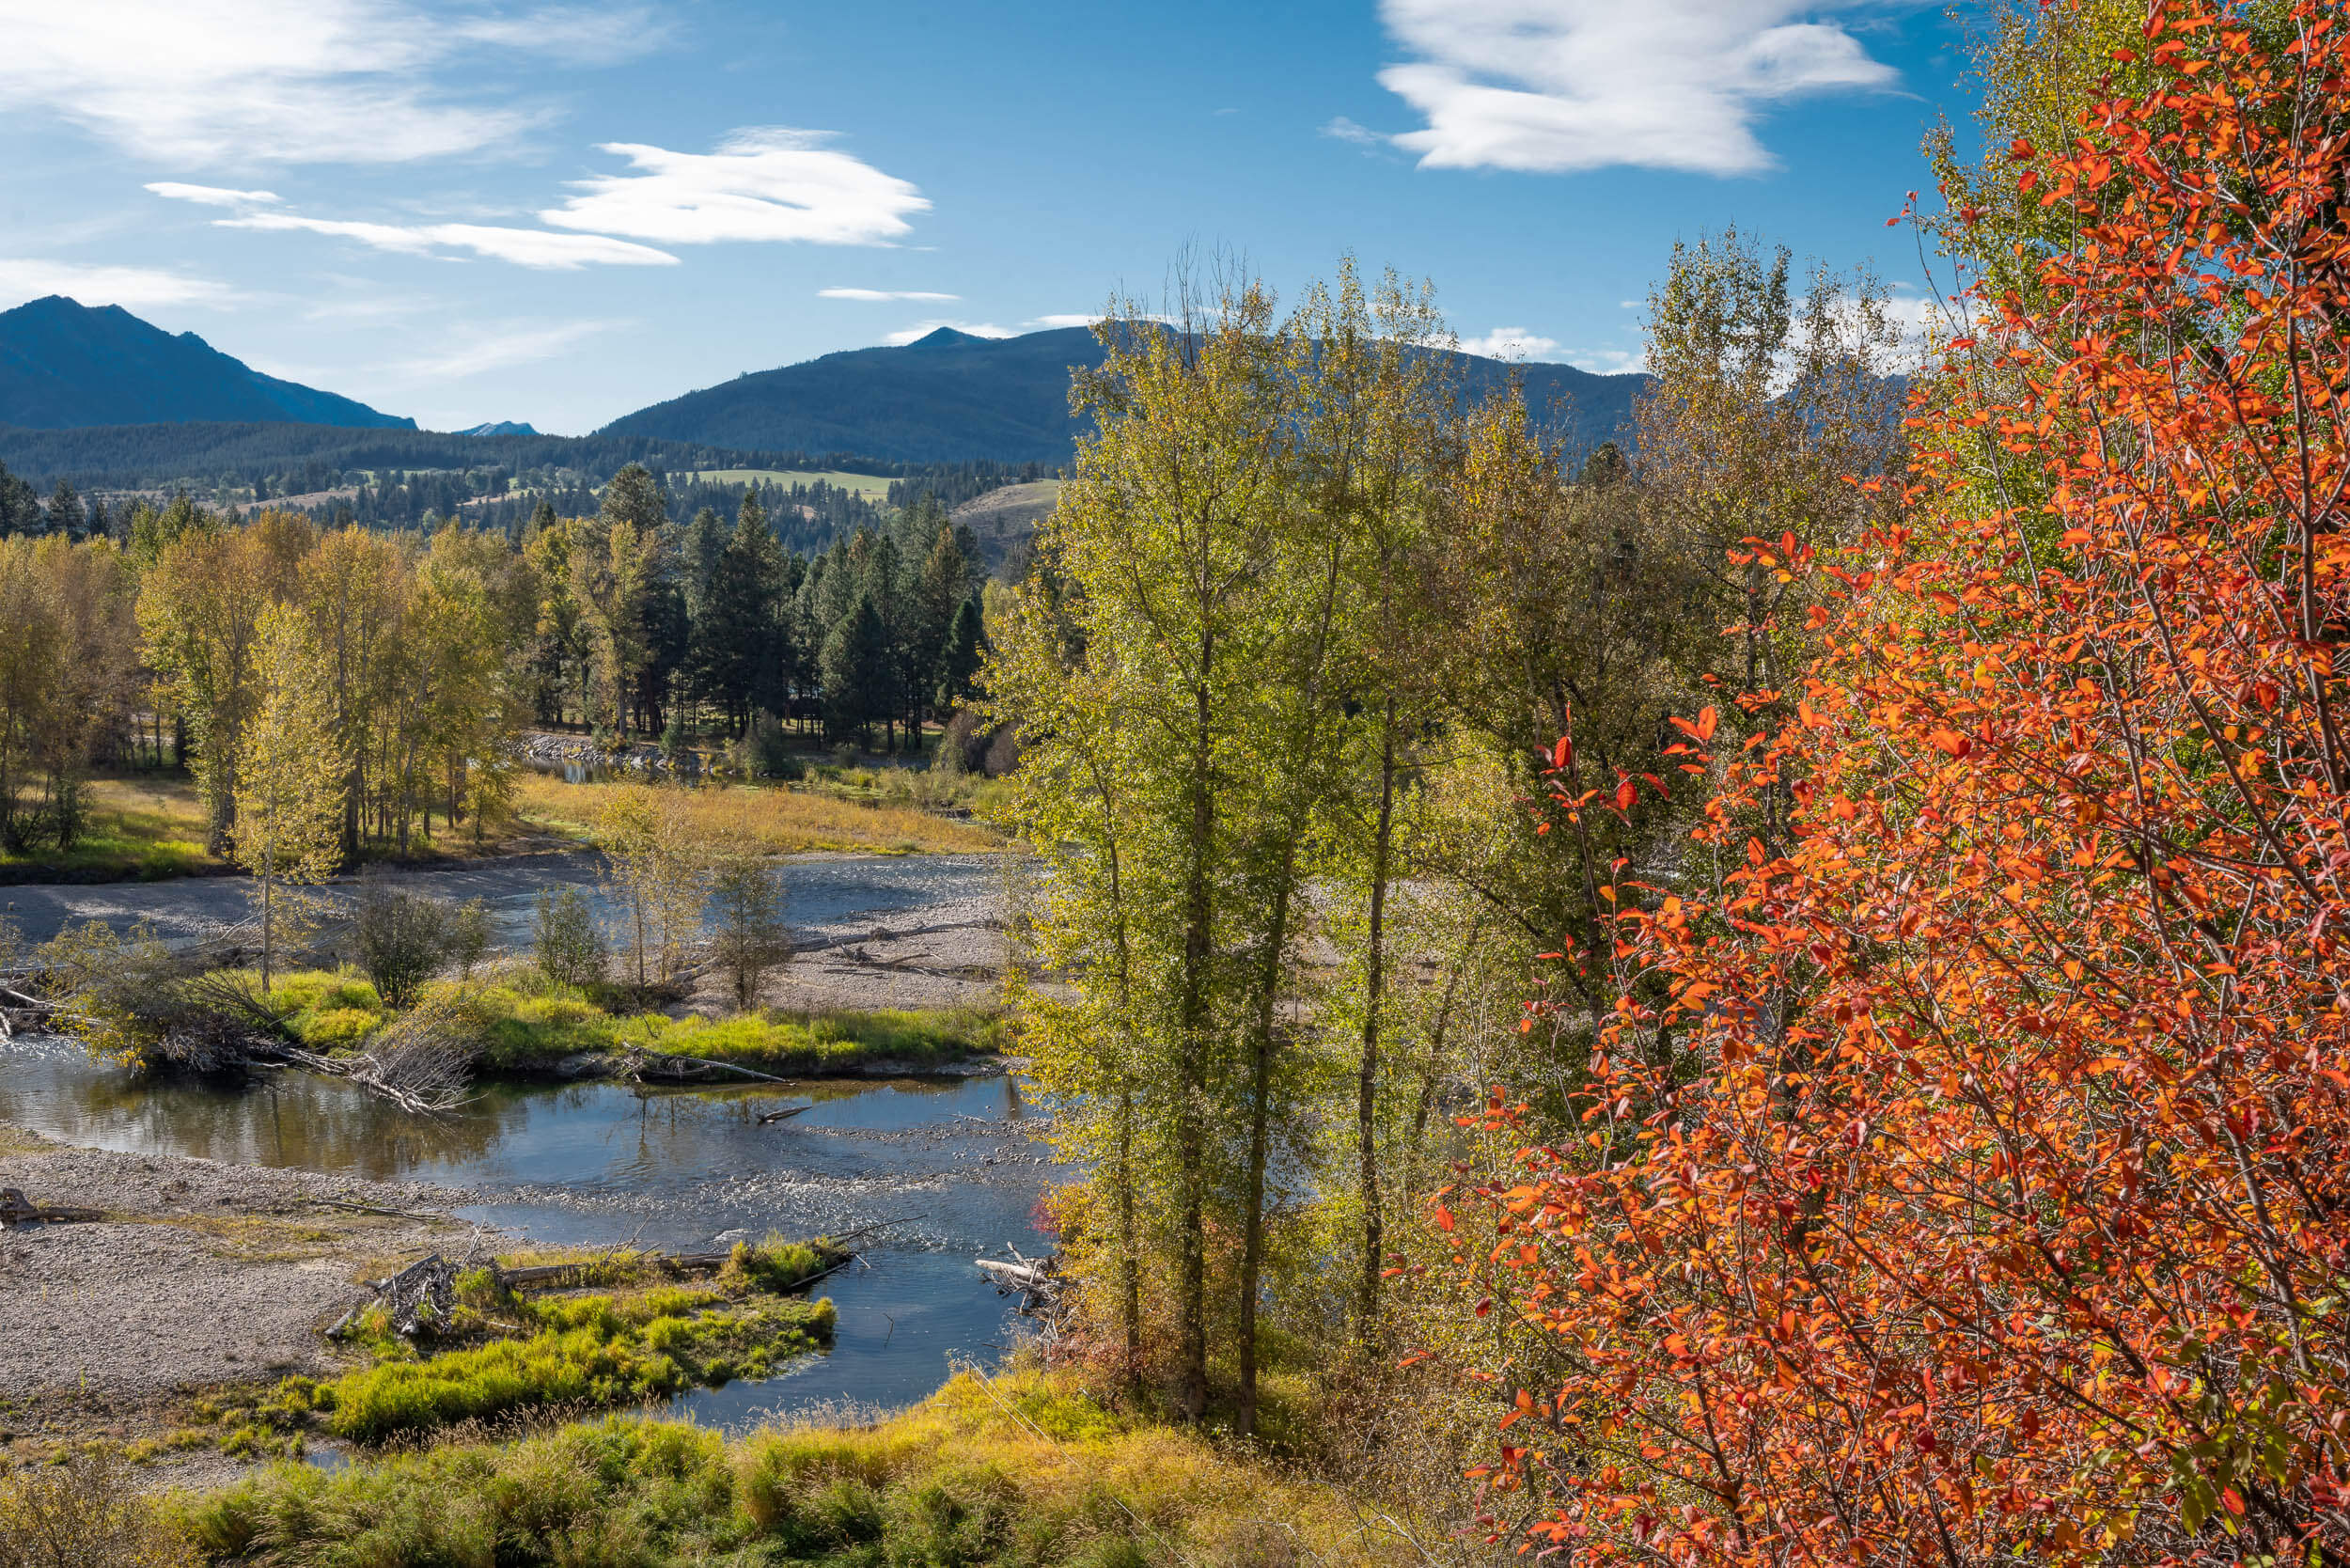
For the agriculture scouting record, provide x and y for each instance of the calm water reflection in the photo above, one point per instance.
(592, 1163)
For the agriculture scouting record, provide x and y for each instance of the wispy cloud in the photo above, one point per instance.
(499, 351)
(923, 329)
(576, 35)
(213, 196)
(1341, 129)
(1560, 86)
(524, 247)
(1510, 342)
(879, 294)
(1070, 319)
(31, 278)
(761, 183)
(231, 83)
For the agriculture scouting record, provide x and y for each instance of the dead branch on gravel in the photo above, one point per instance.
(16, 1209)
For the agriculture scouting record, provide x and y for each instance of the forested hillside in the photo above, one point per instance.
(63, 363)
(950, 396)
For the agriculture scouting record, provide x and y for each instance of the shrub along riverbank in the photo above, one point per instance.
(527, 1025)
(988, 1473)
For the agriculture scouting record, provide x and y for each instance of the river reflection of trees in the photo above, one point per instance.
(280, 1119)
(600, 1134)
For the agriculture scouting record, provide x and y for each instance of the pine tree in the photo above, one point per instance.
(961, 655)
(740, 636)
(855, 671)
(65, 511)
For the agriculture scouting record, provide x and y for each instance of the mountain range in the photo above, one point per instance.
(64, 364)
(951, 397)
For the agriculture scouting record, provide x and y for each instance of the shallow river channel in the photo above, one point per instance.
(675, 1169)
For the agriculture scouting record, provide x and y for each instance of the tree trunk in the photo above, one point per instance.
(1129, 1244)
(1366, 1085)
(1191, 1376)
(1259, 1124)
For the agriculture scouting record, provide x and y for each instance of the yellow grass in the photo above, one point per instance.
(136, 826)
(766, 819)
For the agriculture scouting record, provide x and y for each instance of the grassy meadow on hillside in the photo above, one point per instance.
(872, 486)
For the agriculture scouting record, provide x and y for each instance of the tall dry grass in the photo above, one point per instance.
(766, 819)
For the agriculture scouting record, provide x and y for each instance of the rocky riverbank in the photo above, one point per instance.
(202, 1273)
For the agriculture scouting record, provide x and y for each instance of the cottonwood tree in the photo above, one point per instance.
(750, 934)
(289, 790)
(659, 876)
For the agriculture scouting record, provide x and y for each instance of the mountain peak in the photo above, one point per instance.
(64, 364)
(944, 338)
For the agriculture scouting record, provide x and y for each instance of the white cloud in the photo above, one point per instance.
(499, 351)
(524, 247)
(923, 329)
(1084, 318)
(1510, 342)
(212, 195)
(207, 83)
(130, 287)
(1561, 85)
(1608, 362)
(761, 183)
(1341, 129)
(878, 294)
(578, 34)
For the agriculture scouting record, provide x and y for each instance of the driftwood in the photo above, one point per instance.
(880, 934)
(419, 1295)
(1036, 1280)
(769, 1117)
(639, 1060)
(370, 1209)
(16, 1209)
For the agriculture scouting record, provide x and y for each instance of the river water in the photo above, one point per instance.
(954, 1160)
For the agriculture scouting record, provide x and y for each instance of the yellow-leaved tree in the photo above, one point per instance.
(290, 791)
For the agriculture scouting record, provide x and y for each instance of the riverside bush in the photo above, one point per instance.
(81, 1513)
(968, 1478)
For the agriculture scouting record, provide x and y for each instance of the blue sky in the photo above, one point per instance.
(561, 214)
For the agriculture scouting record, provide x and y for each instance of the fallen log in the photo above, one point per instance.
(369, 1209)
(786, 1115)
(16, 1209)
(638, 1060)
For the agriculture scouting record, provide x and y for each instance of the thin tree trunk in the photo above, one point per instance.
(1366, 1085)
(1260, 1125)
(1129, 1243)
(1191, 1376)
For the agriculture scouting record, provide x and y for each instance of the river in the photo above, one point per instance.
(951, 1161)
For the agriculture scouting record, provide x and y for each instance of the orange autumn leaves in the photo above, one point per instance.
(1966, 1173)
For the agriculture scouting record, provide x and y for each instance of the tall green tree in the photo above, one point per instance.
(855, 666)
(1182, 593)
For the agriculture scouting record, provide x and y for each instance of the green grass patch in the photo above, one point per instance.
(1018, 1472)
(327, 1010)
(527, 1024)
(525, 1031)
(873, 487)
(501, 1352)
